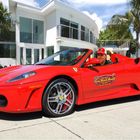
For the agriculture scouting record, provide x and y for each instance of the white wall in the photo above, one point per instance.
(29, 14)
(50, 29)
(7, 61)
(76, 43)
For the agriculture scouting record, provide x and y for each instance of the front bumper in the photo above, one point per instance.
(22, 98)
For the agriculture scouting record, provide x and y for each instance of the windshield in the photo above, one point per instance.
(64, 58)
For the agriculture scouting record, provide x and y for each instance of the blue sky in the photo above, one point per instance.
(100, 11)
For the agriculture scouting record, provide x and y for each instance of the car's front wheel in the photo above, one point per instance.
(59, 98)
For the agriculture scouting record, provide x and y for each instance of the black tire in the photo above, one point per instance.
(59, 98)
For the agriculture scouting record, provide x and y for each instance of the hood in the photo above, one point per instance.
(14, 71)
(43, 72)
(17, 70)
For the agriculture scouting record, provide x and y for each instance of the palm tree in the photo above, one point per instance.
(5, 22)
(120, 26)
(117, 30)
(135, 10)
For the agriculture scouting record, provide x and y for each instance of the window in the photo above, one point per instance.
(50, 50)
(87, 34)
(21, 56)
(28, 56)
(91, 37)
(7, 36)
(7, 51)
(38, 32)
(94, 39)
(74, 30)
(31, 31)
(69, 29)
(36, 55)
(25, 30)
(64, 31)
(83, 33)
(64, 27)
(64, 22)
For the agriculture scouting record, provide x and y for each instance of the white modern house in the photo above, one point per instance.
(39, 32)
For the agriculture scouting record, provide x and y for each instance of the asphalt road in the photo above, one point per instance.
(109, 120)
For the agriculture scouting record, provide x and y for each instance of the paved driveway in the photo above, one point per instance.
(109, 120)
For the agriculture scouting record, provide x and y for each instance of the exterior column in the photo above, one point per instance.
(24, 55)
(57, 46)
(17, 44)
(40, 54)
(45, 52)
(139, 48)
(32, 56)
(17, 33)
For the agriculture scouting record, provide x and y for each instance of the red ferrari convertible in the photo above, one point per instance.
(55, 84)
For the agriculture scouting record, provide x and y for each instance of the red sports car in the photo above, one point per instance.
(55, 84)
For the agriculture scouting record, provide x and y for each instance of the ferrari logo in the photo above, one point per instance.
(105, 79)
(61, 98)
(75, 69)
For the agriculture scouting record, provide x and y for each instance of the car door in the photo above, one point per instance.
(102, 80)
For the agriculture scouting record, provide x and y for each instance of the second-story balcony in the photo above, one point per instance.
(75, 33)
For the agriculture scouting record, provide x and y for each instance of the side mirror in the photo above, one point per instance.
(91, 61)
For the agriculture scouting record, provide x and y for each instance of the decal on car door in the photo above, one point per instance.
(104, 79)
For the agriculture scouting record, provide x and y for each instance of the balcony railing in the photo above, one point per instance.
(74, 33)
(67, 31)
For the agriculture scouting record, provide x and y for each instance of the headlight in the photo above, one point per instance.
(23, 76)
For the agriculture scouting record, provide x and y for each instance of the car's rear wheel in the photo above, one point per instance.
(59, 98)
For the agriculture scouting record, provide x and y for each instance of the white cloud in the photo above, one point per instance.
(98, 2)
(28, 2)
(95, 17)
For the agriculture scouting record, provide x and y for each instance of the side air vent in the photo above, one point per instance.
(3, 101)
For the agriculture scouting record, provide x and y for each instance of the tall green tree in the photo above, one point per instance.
(135, 10)
(117, 30)
(5, 22)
